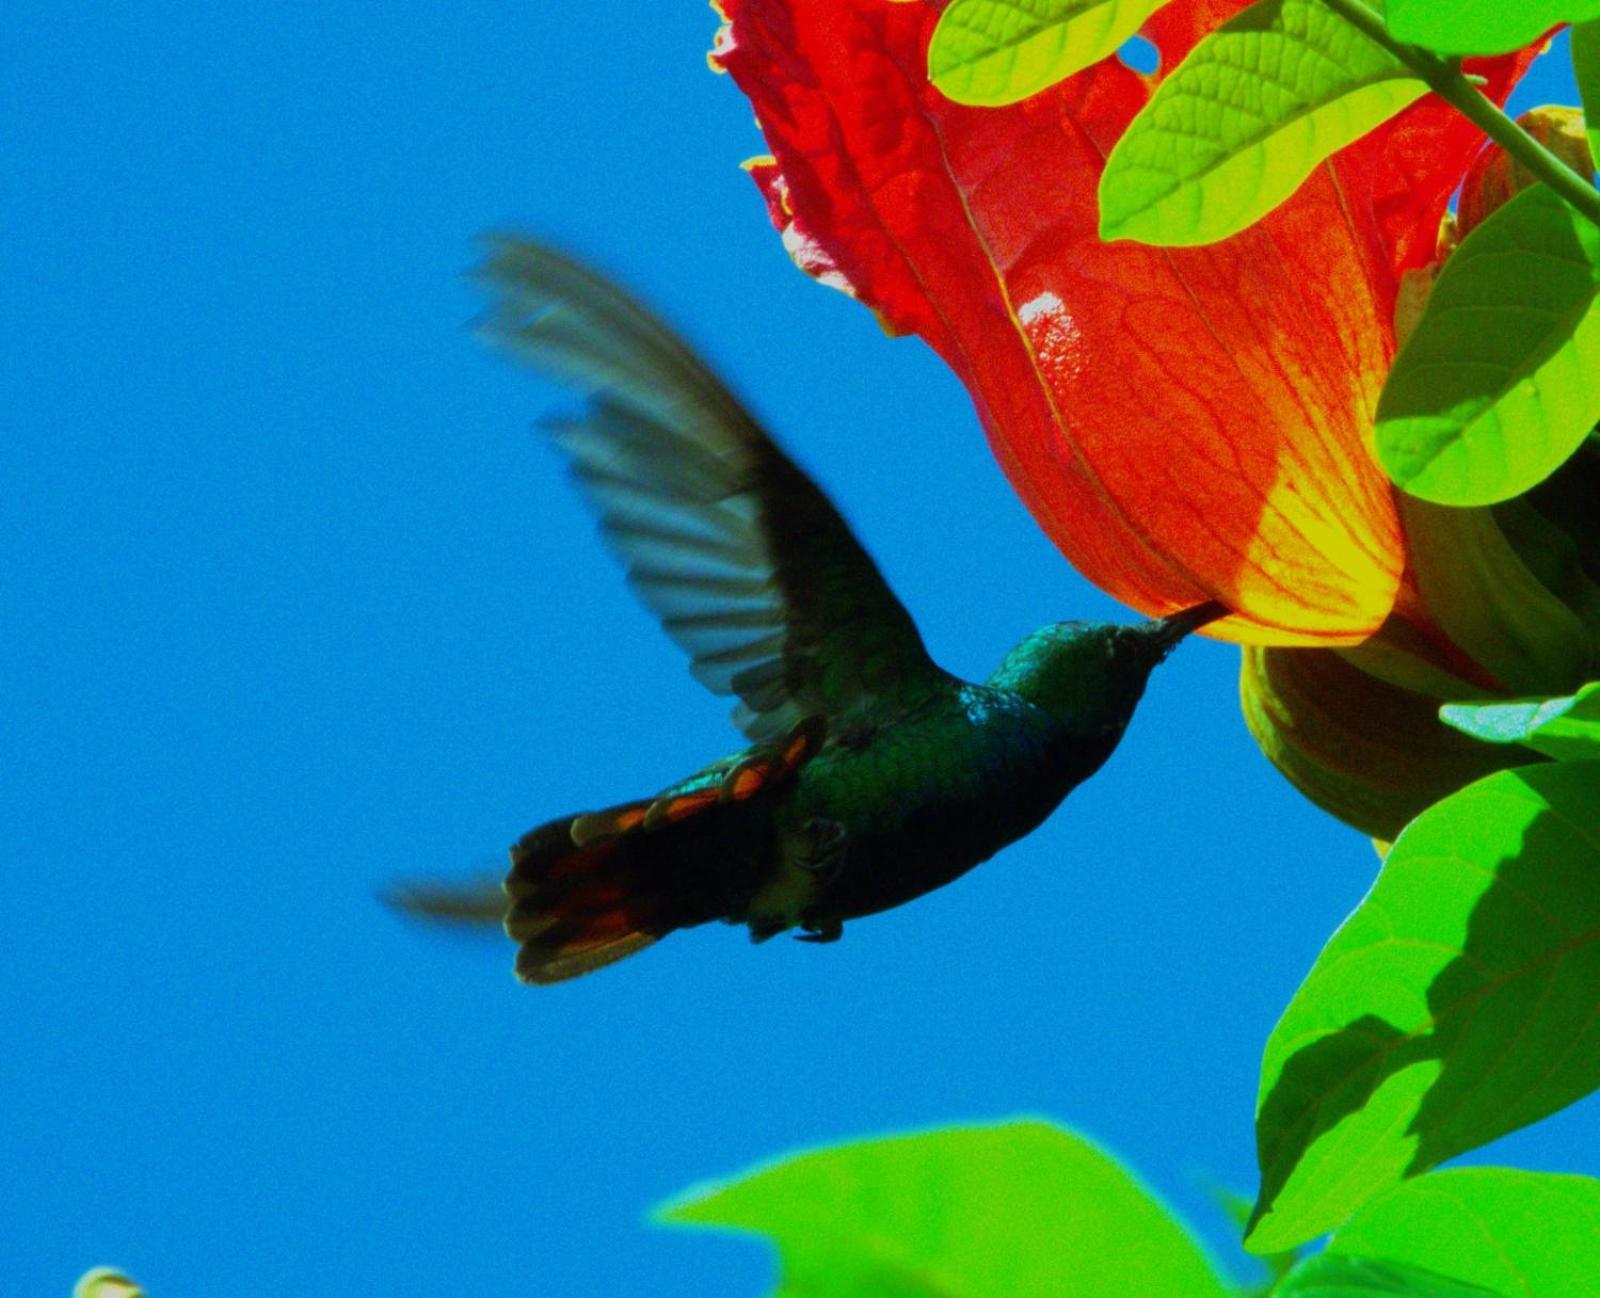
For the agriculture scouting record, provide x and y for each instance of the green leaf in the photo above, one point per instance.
(1359, 1277)
(1482, 26)
(1237, 127)
(1494, 388)
(1567, 728)
(1456, 1004)
(999, 51)
(1524, 1234)
(1586, 68)
(1276, 1265)
(1023, 1209)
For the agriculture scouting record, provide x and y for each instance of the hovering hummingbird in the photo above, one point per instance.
(871, 775)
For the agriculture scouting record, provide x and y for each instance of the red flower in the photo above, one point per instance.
(1186, 424)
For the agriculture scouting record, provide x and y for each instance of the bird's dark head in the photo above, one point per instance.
(1093, 674)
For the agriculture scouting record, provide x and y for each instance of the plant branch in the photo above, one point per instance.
(1445, 78)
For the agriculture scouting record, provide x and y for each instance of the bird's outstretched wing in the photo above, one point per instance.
(742, 557)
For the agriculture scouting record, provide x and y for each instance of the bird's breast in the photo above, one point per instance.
(931, 797)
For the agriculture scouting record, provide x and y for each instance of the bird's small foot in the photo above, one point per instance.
(823, 848)
(829, 930)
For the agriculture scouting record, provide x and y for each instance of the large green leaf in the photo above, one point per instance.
(1023, 1209)
(1494, 388)
(1000, 51)
(1359, 1277)
(1523, 1234)
(1566, 728)
(1456, 1004)
(1482, 26)
(1586, 68)
(1236, 128)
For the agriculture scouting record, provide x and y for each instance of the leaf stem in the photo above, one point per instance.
(1445, 78)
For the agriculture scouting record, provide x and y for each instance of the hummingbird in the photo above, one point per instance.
(870, 776)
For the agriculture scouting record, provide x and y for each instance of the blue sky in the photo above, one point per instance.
(296, 603)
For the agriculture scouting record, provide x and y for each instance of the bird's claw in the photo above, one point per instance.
(823, 848)
(829, 930)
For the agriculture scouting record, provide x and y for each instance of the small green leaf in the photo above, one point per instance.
(1358, 1277)
(1524, 1234)
(1277, 1265)
(1566, 728)
(991, 52)
(1023, 1209)
(1237, 127)
(1586, 68)
(1482, 26)
(1494, 388)
(1456, 1004)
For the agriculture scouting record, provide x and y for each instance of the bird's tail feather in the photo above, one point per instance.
(587, 891)
(576, 908)
(572, 908)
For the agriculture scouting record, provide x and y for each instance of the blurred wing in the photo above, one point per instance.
(745, 561)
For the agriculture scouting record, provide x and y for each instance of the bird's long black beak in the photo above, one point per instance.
(1167, 631)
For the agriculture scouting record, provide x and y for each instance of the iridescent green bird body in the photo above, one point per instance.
(919, 800)
(871, 775)
(973, 769)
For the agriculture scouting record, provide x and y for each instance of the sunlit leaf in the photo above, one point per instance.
(1456, 1004)
(1023, 1209)
(1566, 728)
(1524, 1234)
(1000, 51)
(1495, 388)
(1241, 123)
(1359, 1277)
(1482, 26)
(1586, 68)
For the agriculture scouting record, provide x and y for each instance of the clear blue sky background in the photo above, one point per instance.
(295, 603)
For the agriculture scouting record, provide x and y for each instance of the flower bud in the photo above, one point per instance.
(1495, 178)
(1370, 753)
